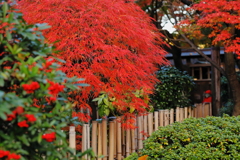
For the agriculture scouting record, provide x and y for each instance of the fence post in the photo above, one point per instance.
(181, 114)
(104, 139)
(145, 129)
(185, 112)
(119, 144)
(99, 140)
(72, 138)
(133, 146)
(156, 120)
(94, 136)
(161, 117)
(128, 142)
(171, 116)
(177, 114)
(150, 123)
(111, 139)
(165, 117)
(140, 130)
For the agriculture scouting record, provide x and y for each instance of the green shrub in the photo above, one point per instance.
(193, 139)
(34, 102)
(173, 90)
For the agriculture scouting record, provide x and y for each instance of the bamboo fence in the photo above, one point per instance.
(110, 140)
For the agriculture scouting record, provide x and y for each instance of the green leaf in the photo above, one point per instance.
(5, 8)
(42, 26)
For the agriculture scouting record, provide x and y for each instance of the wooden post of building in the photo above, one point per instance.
(215, 77)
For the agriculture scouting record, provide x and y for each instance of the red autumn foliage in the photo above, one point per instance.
(222, 18)
(111, 43)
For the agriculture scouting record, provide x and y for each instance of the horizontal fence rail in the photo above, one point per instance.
(107, 138)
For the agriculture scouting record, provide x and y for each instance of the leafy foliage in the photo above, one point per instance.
(34, 102)
(112, 44)
(221, 18)
(173, 90)
(202, 138)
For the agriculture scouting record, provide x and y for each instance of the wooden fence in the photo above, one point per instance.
(107, 138)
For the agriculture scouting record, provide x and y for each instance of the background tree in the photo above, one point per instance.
(221, 18)
(112, 44)
(215, 27)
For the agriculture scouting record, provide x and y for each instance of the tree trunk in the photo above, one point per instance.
(215, 78)
(176, 52)
(233, 81)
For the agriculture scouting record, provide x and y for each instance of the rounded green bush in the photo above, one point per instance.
(173, 90)
(203, 138)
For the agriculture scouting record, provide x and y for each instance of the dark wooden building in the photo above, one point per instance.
(199, 69)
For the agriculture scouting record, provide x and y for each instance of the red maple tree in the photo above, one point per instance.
(221, 17)
(111, 43)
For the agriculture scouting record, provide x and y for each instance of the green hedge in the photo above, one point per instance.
(203, 138)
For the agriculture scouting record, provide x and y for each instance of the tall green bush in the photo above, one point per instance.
(194, 139)
(173, 90)
(33, 93)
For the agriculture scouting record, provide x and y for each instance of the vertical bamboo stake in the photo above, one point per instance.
(119, 144)
(136, 133)
(196, 111)
(171, 116)
(140, 129)
(88, 139)
(84, 137)
(99, 140)
(156, 120)
(111, 140)
(178, 114)
(185, 112)
(210, 109)
(115, 139)
(133, 141)
(123, 142)
(94, 136)
(128, 142)
(181, 114)
(104, 138)
(206, 108)
(166, 117)
(161, 117)
(150, 123)
(190, 112)
(199, 111)
(145, 126)
(72, 138)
